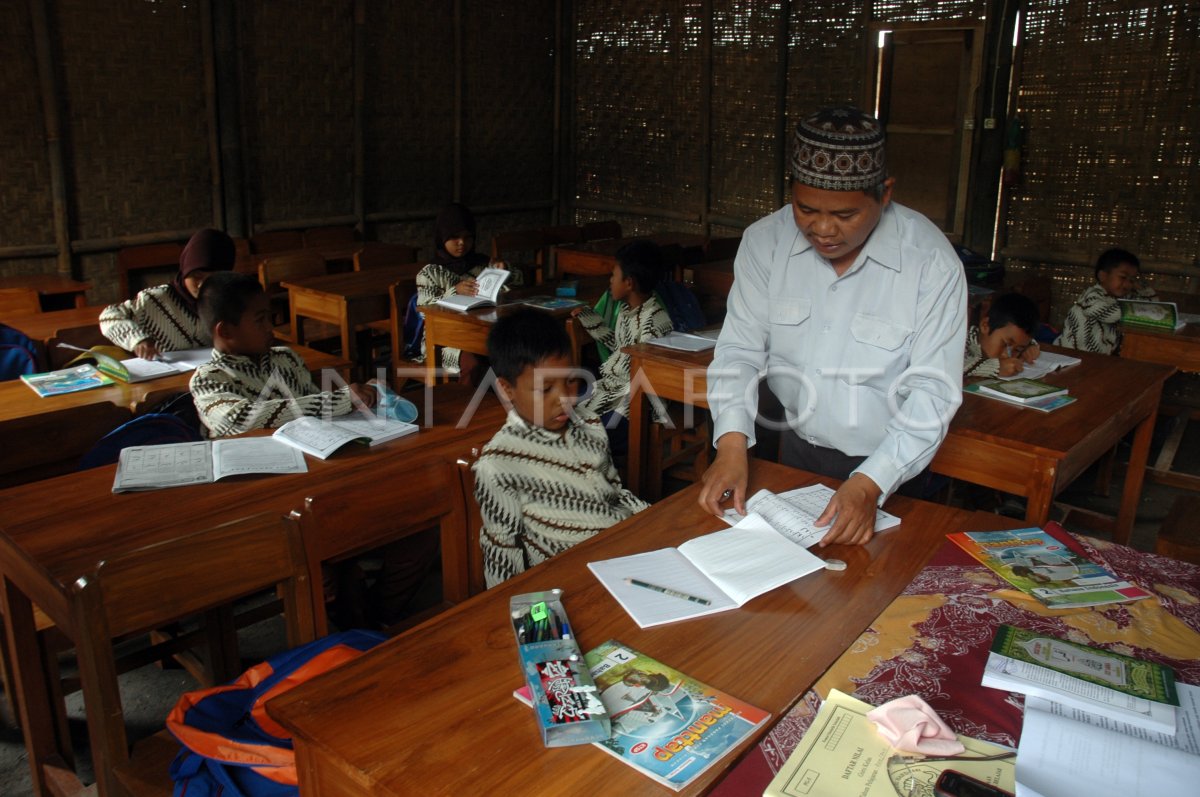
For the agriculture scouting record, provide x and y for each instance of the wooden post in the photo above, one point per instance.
(228, 97)
(782, 133)
(460, 36)
(706, 126)
(210, 107)
(360, 68)
(51, 103)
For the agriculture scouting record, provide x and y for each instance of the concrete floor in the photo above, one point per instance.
(149, 693)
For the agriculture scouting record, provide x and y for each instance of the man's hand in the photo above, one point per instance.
(147, 350)
(727, 476)
(854, 506)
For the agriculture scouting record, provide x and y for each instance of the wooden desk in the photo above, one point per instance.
(991, 443)
(40, 327)
(56, 530)
(1179, 349)
(342, 254)
(346, 300)
(437, 700)
(598, 258)
(50, 287)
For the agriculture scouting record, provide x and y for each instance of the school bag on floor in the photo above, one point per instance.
(231, 747)
(17, 354)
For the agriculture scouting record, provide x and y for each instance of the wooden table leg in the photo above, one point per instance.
(1135, 473)
(1041, 493)
(637, 437)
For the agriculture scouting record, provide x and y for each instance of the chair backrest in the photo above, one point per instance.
(522, 249)
(566, 234)
(378, 255)
(400, 294)
(138, 258)
(187, 574)
(599, 230)
(339, 523)
(50, 443)
(475, 580)
(19, 301)
(293, 265)
(329, 236)
(241, 248)
(276, 241)
(82, 336)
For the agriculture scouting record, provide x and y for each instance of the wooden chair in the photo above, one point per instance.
(475, 580)
(345, 522)
(141, 258)
(83, 336)
(241, 248)
(556, 236)
(50, 443)
(198, 573)
(19, 301)
(276, 241)
(681, 453)
(399, 296)
(379, 255)
(600, 230)
(1179, 536)
(523, 249)
(281, 268)
(329, 236)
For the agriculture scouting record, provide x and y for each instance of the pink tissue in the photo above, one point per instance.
(911, 726)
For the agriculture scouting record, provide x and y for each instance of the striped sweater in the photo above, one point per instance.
(634, 325)
(434, 282)
(235, 394)
(1092, 323)
(975, 362)
(541, 492)
(158, 314)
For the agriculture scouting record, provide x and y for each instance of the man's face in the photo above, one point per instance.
(544, 394)
(837, 223)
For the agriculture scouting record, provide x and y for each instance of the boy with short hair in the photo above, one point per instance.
(249, 384)
(546, 480)
(1093, 322)
(1003, 341)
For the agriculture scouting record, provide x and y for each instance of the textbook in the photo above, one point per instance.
(177, 464)
(1044, 404)
(489, 282)
(66, 380)
(1151, 315)
(551, 302)
(321, 437)
(713, 573)
(1021, 390)
(1041, 563)
(1142, 693)
(1047, 363)
(685, 341)
(116, 363)
(665, 724)
(843, 754)
(794, 513)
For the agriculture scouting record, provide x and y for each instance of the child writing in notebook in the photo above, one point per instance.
(641, 317)
(249, 384)
(1003, 341)
(546, 480)
(1093, 322)
(165, 317)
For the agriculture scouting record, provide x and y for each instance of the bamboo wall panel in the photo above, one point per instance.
(298, 63)
(134, 116)
(827, 56)
(409, 132)
(26, 214)
(896, 11)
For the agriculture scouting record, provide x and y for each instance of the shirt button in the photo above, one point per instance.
(834, 289)
(826, 328)
(812, 440)
(818, 372)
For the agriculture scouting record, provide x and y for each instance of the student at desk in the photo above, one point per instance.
(1003, 341)
(1094, 321)
(546, 480)
(249, 384)
(856, 308)
(165, 317)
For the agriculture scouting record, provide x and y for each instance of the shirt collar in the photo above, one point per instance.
(542, 433)
(883, 245)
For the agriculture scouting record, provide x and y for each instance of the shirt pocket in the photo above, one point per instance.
(789, 312)
(879, 332)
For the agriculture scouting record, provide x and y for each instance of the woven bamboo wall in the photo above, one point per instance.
(1111, 156)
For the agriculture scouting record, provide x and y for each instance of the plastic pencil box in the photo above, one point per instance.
(562, 692)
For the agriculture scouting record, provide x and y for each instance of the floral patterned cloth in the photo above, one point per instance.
(933, 641)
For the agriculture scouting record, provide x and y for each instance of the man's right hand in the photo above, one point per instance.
(727, 476)
(147, 350)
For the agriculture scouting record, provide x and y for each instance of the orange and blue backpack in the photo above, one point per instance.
(231, 747)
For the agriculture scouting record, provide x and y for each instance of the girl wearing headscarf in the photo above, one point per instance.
(164, 318)
(455, 266)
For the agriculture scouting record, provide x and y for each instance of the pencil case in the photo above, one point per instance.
(561, 690)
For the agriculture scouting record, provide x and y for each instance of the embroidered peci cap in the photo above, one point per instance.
(839, 149)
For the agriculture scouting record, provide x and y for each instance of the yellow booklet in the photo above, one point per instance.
(842, 755)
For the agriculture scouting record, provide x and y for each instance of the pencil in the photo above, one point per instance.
(674, 593)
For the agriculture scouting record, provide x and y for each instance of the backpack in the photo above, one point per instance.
(414, 331)
(151, 429)
(17, 354)
(682, 305)
(231, 747)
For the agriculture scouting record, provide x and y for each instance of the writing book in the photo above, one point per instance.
(667, 725)
(177, 464)
(489, 282)
(1043, 563)
(66, 380)
(726, 569)
(1151, 315)
(320, 437)
(794, 513)
(1142, 693)
(118, 364)
(1046, 404)
(1047, 363)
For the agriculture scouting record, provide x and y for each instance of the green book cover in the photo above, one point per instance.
(1130, 676)
(1021, 390)
(1152, 315)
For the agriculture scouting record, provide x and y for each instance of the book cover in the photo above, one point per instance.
(666, 724)
(1040, 564)
(66, 380)
(551, 302)
(1021, 390)
(1150, 315)
(321, 437)
(1136, 678)
(487, 291)
(1047, 404)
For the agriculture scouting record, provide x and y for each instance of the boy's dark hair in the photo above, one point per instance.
(224, 296)
(1013, 308)
(523, 338)
(1112, 258)
(642, 262)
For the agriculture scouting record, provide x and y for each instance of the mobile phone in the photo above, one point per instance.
(953, 783)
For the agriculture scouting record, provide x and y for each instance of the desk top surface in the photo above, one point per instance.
(411, 704)
(45, 283)
(350, 284)
(43, 326)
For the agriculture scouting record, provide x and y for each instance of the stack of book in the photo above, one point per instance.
(1023, 392)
